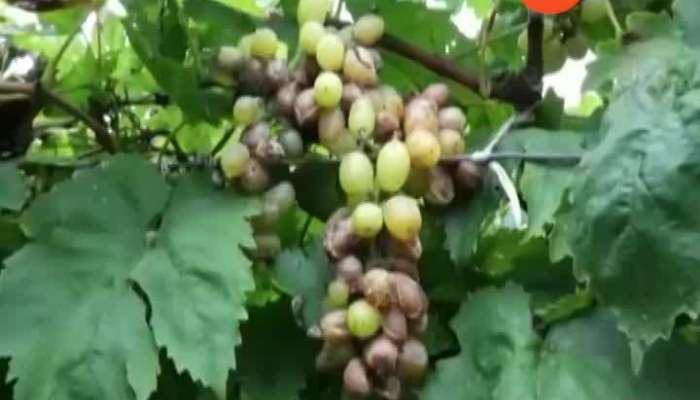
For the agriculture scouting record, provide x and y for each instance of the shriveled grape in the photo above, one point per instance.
(452, 118)
(393, 166)
(256, 134)
(368, 29)
(421, 113)
(351, 92)
(402, 217)
(292, 143)
(424, 148)
(331, 124)
(356, 173)
(330, 52)
(362, 119)
(355, 379)
(442, 190)
(387, 126)
(451, 142)
(413, 361)
(438, 93)
(306, 111)
(285, 98)
(359, 66)
(328, 89)
(255, 178)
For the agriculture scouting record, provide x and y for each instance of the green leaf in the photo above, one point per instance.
(271, 368)
(247, 6)
(196, 278)
(217, 24)
(635, 206)
(687, 15)
(463, 225)
(87, 235)
(498, 345)
(317, 189)
(12, 182)
(305, 273)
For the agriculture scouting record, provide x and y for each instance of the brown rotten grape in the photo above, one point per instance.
(394, 325)
(334, 326)
(442, 190)
(350, 270)
(408, 296)
(339, 239)
(438, 93)
(376, 287)
(355, 380)
(360, 67)
(306, 111)
(255, 178)
(381, 356)
(467, 177)
(420, 113)
(413, 361)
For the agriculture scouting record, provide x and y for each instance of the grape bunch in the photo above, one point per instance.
(397, 153)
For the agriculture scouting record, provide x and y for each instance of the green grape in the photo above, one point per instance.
(338, 293)
(247, 110)
(356, 173)
(393, 166)
(234, 159)
(330, 52)
(245, 44)
(362, 118)
(312, 10)
(368, 29)
(402, 217)
(424, 148)
(309, 36)
(292, 143)
(363, 319)
(593, 10)
(359, 66)
(264, 43)
(230, 59)
(328, 89)
(343, 144)
(367, 220)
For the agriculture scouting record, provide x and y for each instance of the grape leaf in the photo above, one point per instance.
(305, 273)
(317, 189)
(463, 225)
(498, 345)
(12, 183)
(271, 368)
(88, 234)
(217, 24)
(635, 206)
(196, 278)
(688, 15)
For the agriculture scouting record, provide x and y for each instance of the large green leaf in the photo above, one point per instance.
(635, 206)
(196, 278)
(12, 183)
(305, 273)
(274, 369)
(71, 321)
(688, 15)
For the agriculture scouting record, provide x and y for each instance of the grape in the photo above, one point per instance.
(413, 361)
(230, 59)
(452, 118)
(256, 134)
(576, 47)
(351, 92)
(367, 220)
(402, 217)
(330, 52)
(334, 327)
(305, 109)
(356, 383)
(285, 98)
(328, 89)
(363, 319)
(408, 296)
(267, 245)
(356, 173)
(359, 66)
(282, 196)
(292, 144)
(381, 355)
(255, 178)
(277, 73)
(394, 325)
(338, 293)
(421, 113)
(309, 35)
(376, 287)
(442, 189)
(438, 93)
(234, 160)
(451, 142)
(312, 10)
(553, 56)
(593, 10)
(387, 126)
(424, 148)
(468, 177)
(391, 101)
(418, 182)
(345, 35)
(349, 269)
(331, 124)
(393, 166)
(264, 43)
(368, 29)
(245, 43)
(344, 144)
(247, 110)
(362, 119)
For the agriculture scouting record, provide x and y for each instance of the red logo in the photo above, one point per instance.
(550, 6)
